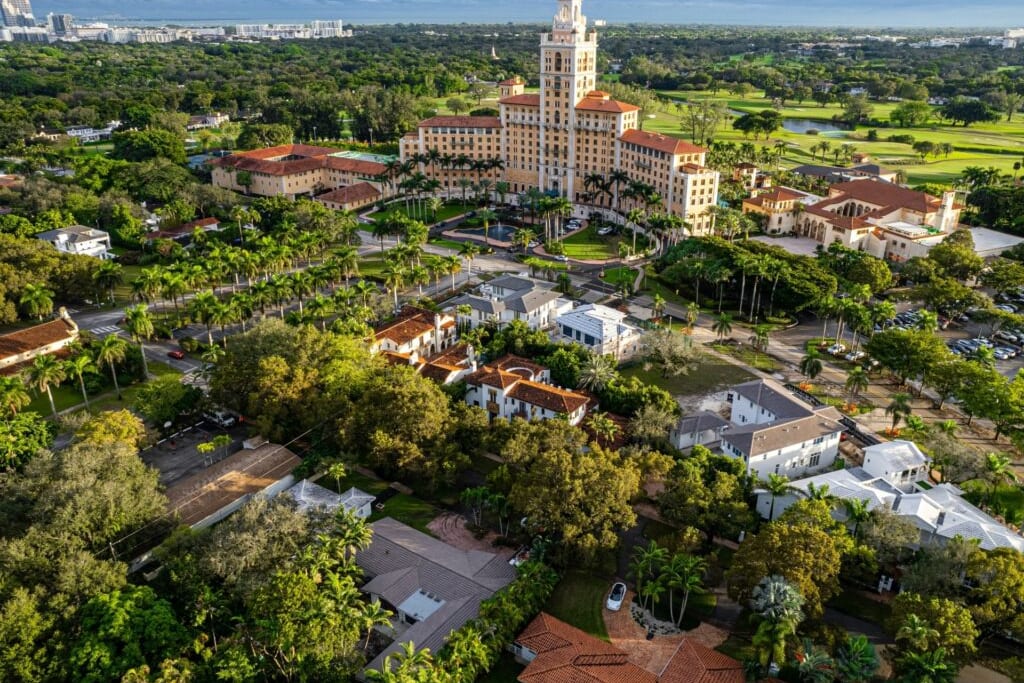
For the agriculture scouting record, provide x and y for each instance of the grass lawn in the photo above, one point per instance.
(506, 670)
(108, 401)
(856, 605)
(710, 375)
(698, 608)
(587, 245)
(408, 510)
(446, 212)
(123, 291)
(448, 244)
(754, 359)
(616, 276)
(353, 478)
(578, 600)
(69, 395)
(371, 267)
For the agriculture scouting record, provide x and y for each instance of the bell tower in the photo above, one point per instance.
(568, 64)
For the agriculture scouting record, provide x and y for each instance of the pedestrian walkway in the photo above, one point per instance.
(105, 330)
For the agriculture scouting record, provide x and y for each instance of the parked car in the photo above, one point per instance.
(533, 244)
(983, 341)
(176, 354)
(605, 231)
(836, 349)
(221, 418)
(616, 596)
(1006, 336)
(1000, 354)
(1005, 350)
(562, 257)
(854, 356)
(1009, 308)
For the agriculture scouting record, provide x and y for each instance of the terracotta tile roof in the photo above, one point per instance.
(524, 100)
(566, 654)
(512, 81)
(461, 122)
(694, 662)
(35, 337)
(884, 194)
(410, 323)
(351, 194)
(438, 373)
(511, 362)
(362, 166)
(201, 223)
(493, 377)
(256, 165)
(547, 396)
(597, 100)
(282, 151)
(662, 143)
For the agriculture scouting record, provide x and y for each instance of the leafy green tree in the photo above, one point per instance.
(165, 399)
(597, 372)
(924, 624)
(926, 667)
(997, 601)
(967, 111)
(811, 365)
(121, 630)
(672, 353)
(256, 135)
(21, 437)
(856, 660)
(142, 145)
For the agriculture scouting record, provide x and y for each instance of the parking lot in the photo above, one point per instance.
(178, 456)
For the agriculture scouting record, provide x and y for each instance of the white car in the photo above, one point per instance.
(562, 257)
(836, 349)
(605, 231)
(616, 596)
(854, 356)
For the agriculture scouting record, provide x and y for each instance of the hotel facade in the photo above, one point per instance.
(555, 139)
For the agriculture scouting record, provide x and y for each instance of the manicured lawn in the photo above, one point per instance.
(448, 244)
(856, 605)
(371, 267)
(616, 276)
(587, 245)
(408, 510)
(754, 359)
(710, 375)
(506, 670)
(123, 291)
(68, 395)
(698, 608)
(578, 600)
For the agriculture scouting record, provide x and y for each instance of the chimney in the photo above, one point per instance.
(437, 332)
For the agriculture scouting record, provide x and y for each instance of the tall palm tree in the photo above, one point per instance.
(223, 314)
(394, 280)
(201, 308)
(760, 337)
(692, 313)
(597, 372)
(140, 326)
(364, 288)
(302, 285)
(452, 266)
(645, 563)
(722, 327)
(857, 511)
(36, 301)
(112, 350)
(321, 307)
(76, 367)
(898, 409)
(657, 305)
(45, 373)
(811, 365)
(776, 485)
(107, 276)
(13, 395)
(346, 258)
(469, 251)
(683, 573)
(486, 216)
(857, 380)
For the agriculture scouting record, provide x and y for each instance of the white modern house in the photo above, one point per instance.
(79, 239)
(895, 476)
(311, 496)
(516, 387)
(775, 432)
(509, 298)
(602, 329)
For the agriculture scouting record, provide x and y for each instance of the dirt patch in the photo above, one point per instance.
(451, 528)
(630, 637)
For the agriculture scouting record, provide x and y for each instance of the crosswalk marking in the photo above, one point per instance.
(106, 329)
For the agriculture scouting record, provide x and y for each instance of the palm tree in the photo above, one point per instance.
(13, 395)
(898, 409)
(722, 327)
(857, 511)
(692, 313)
(776, 485)
(810, 365)
(760, 337)
(597, 372)
(604, 428)
(857, 380)
(684, 573)
(76, 367)
(140, 326)
(917, 632)
(469, 251)
(815, 665)
(321, 307)
(364, 288)
(645, 562)
(452, 265)
(36, 301)
(856, 660)
(926, 667)
(108, 276)
(223, 314)
(394, 280)
(823, 493)
(111, 351)
(769, 641)
(45, 373)
(337, 472)
(997, 470)
(201, 308)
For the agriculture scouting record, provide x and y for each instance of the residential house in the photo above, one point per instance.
(899, 462)
(86, 134)
(79, 239)
(311, 496)
(882, 219)
(185, 230)
(555, 652)
(772, 430)
(200, 121)
(21, 346)
(415, 329)
(779, 208)
(509, 298)
(939, 512)
(445, 367)
(433, 588)
(601, 329)
(293, 170)
(516, 387)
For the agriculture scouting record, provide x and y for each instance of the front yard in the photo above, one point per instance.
(578, 600)
(712, 374)
(587, 245)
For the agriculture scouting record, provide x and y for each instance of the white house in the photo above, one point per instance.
(774, 432)
(704, 428)
(901, 463)
(311, 496)
(601, 329)
(509, 298)
(79, 239)
(415, 329)
(21, 346)
(515, 387)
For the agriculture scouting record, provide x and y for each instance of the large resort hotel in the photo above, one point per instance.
(552, 140)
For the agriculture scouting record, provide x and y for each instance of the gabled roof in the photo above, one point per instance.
(662, 143)
(351, 194)
(597, 100)
(74, 233)
(524, 100)
(461, 122)
(410, 323)
(758, 439)
(772, 396)
(557, 400)
(694, 662)
(883, 195)
(493, 377)
(37, 337)
(896, 456)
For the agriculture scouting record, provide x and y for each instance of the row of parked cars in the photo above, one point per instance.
(967, 347)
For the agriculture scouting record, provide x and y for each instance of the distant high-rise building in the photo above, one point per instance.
(17, 13)
(61, 24)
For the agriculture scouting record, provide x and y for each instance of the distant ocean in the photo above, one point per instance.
(865, 13)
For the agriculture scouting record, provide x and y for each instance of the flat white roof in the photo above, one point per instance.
(992, 242)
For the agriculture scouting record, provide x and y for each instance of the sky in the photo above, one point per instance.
(844, 13)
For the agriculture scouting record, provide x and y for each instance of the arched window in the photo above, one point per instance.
(558, 61)
(557, 118)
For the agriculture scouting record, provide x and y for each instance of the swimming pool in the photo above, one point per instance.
(498, 231)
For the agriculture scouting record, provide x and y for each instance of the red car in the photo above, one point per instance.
(176, 354)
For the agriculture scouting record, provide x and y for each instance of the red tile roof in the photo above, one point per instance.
(362, 166)
(511, 362)
(693, 662)
(597, 100)
(351, 194)
(662, 143)
(524, 100)
(493, 377)
(461, 122)
(410, 323)
(546, 396)
(201, 223)
(36, 337)
(310, 158)
(884, 194)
